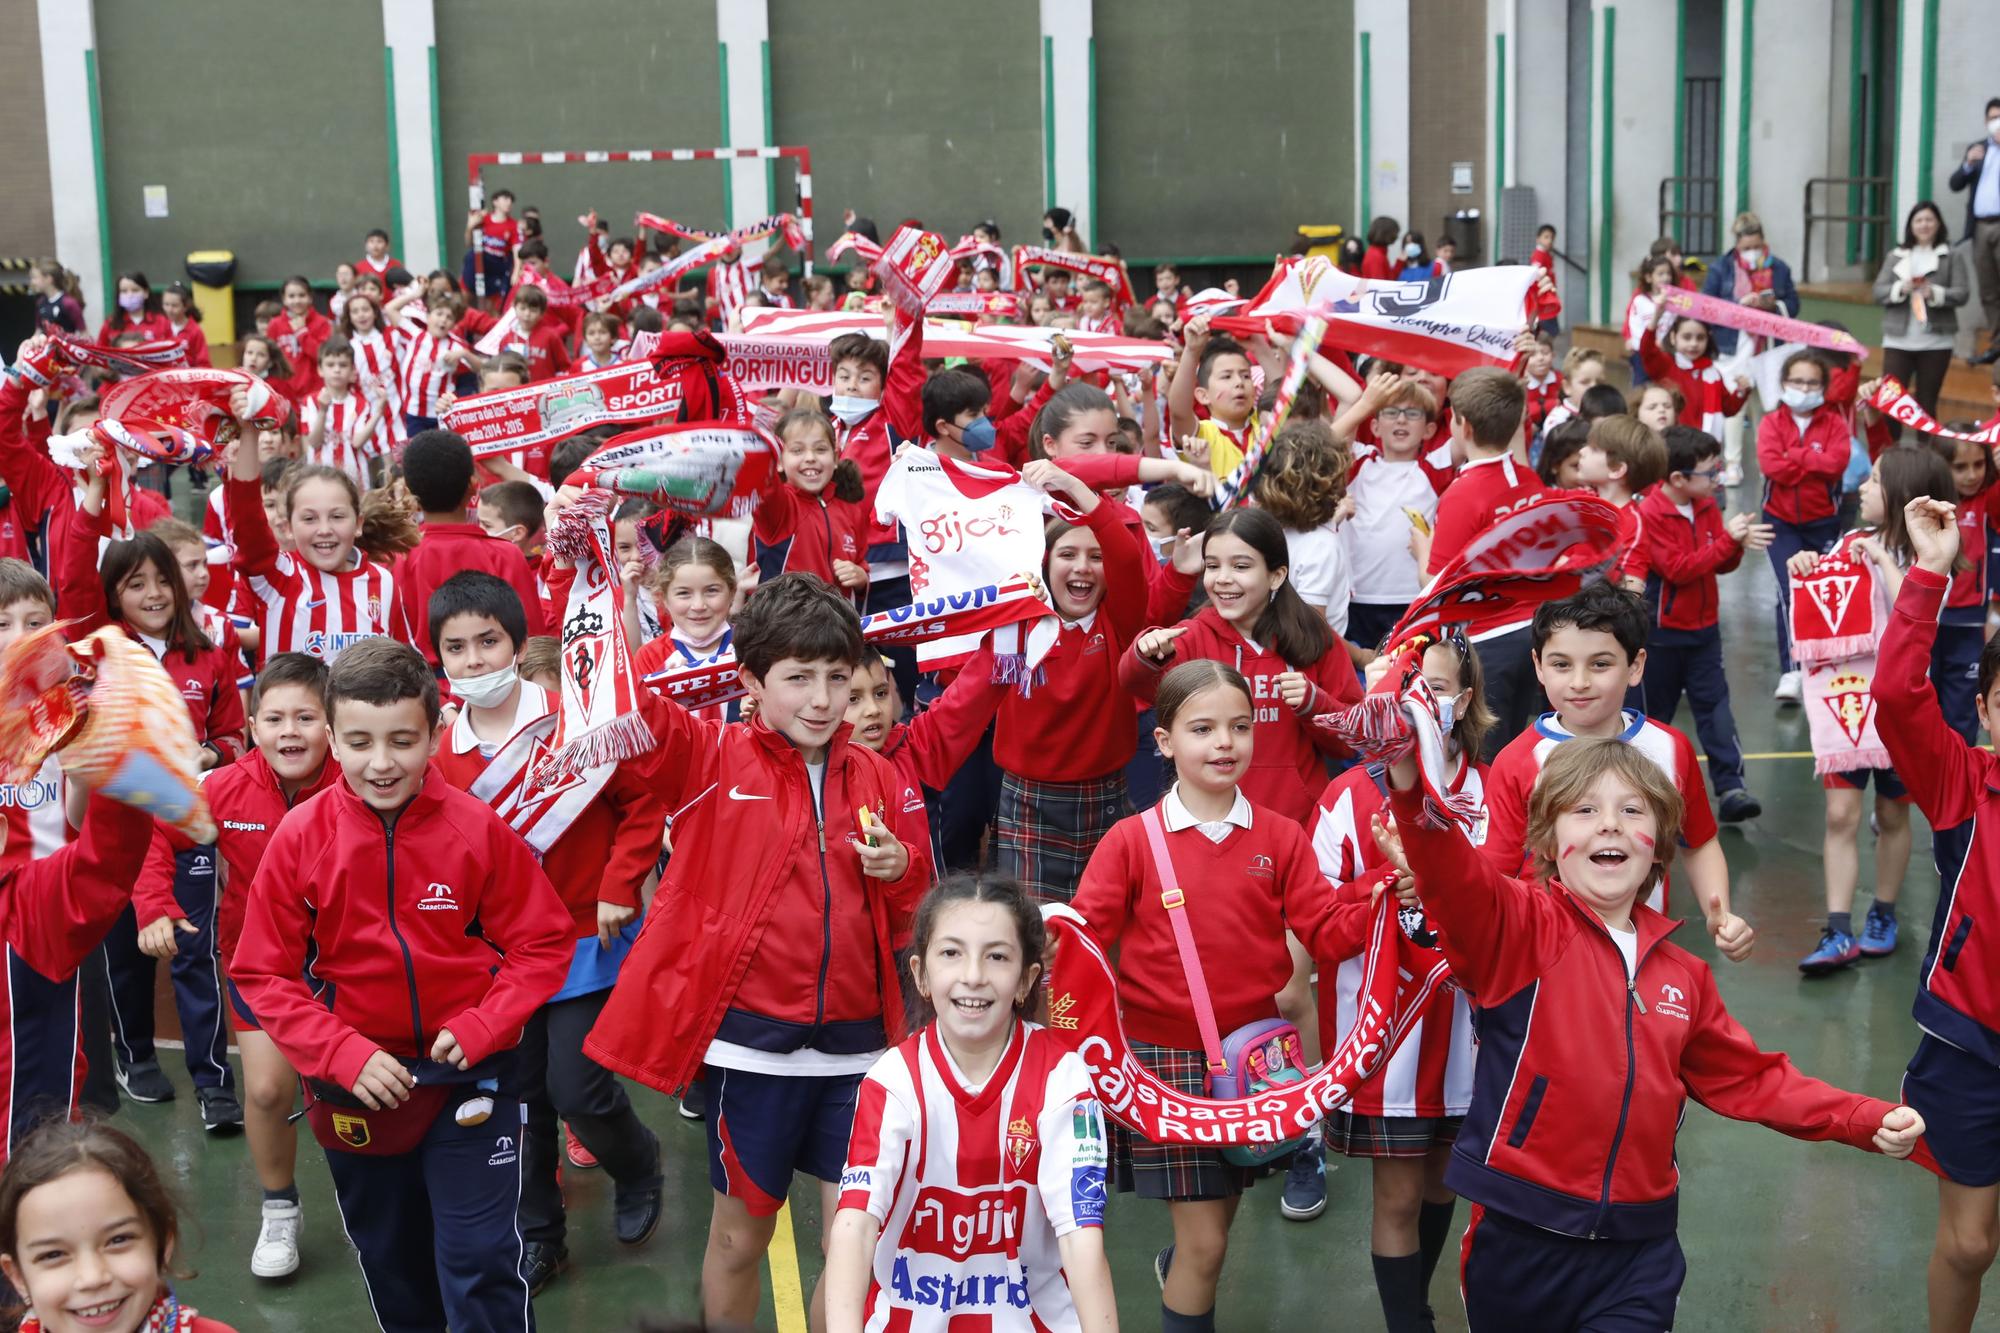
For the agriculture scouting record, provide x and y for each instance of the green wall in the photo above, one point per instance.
(1220, 137)
(913, 109)
(528, 76)
(269, 130)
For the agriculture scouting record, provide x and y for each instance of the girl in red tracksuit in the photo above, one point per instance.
(1706, 401)
(1593, 1031)
(696, 580)
(815, 522)
(1802, 450)
(1247, 876)
(138, 312)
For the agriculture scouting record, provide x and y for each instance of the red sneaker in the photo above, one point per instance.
(579, 1156)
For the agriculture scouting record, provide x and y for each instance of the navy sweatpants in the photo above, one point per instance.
(197, 976)
(1519, 1278)
(1690, 661)
(1955, 674)
(437, 1227)
(1787, 540)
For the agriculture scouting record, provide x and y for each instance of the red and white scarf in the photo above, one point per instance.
(1541, 552)
(529, 787)
(914, 267)
(1895, 402)
(1111, 272)
(600, 722)
(1838, 615)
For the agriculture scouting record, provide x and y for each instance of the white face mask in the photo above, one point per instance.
(487, 690)
(850, 409)
(1993, 127)
(1751, 257)
(1803, 400)
(1162, 547)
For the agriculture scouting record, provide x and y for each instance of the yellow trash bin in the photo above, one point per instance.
(212, 273)
(1325, 239)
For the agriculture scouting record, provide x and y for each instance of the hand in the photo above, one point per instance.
(1378, 388)
(1901, 1128)
(1184, 554)
(888, 859)
(1802, 563)
(1343, 511)
(1047, 475)
(38, 402)
(1061, 356)
(1870, 549)
(1157, 645)
(1388, 838)
(1195, 336)
(850, 575)
(156, 939)
(1377, 667)
(1977, 153)
(1294, 689)
(1757, 537)
(325, 396)
(1934, 536)
(475, 217)
(447, 399)
(1866, 391)
(1741, 384)
(612, 918)
(1194, 449)
(1195, 480)
(1402, 886)
(1732, 934)
(446, 1051)
(383, 1082)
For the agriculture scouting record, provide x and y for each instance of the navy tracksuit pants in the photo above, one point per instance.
(1519, 1278)
(1689, 661)
(197, 976)
(437, 1227)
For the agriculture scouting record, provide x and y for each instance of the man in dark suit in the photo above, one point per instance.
(1979, 175)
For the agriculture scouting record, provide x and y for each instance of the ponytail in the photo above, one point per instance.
(1300, 635)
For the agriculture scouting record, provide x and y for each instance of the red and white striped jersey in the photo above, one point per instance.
(33, 813)
(730, 285)
(338, 447)
(1431, 1073)
(422, 373)
(308, 610)
(974, 1185)
(375, 377)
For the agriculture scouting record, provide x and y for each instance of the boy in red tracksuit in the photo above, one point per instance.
(767, 964)
(1573, 1179)
(598, 838)
(1687, 545)
(1953, 1080)
(538, 336)
(438, 469)
(432, 936)
(1802, 450)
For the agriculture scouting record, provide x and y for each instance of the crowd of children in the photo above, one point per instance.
(812, 912)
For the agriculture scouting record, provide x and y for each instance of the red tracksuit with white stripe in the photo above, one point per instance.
(1803, 468)
(872, 443)
(301, 349)
(1685, 556)
(1431, 1072)
(974, 1189)
(43, 494)
(1285, 771)
(54, 911)
(1706, 402)
(306, 609)
(1518, 767)
(1584, 1072)
(808, 533)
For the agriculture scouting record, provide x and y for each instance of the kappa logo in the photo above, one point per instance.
(1832, 594)
(1670, 1000)
(1095, 645)
(437, 898)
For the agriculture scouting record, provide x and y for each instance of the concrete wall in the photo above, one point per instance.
(1447, 123)
(27, 220)
(1382, 164)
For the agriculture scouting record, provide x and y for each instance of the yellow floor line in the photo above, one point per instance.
(787, 1294)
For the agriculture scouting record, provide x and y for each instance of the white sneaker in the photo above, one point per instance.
(277, 1252)
(1731, 476)
(1790, 689)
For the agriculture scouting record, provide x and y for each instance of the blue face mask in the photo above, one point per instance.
(978, 437)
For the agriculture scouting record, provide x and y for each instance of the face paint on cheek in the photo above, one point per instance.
(1567, 852)
(1643, 840)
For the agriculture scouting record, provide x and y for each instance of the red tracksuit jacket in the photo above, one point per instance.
(43, 497)
(1703, 394)
(435, 918)
(795, 530)
(796, 944)
(1285, 769)
(1958, 990)
(1685, 558)
(1802, 472)
(53, 912)
(1584, 1074)
(451, 548)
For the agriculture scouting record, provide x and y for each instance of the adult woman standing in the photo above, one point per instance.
(1920, 285)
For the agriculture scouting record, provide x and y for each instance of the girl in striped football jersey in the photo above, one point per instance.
(975, 1178)
(373, 339)
(323, 594)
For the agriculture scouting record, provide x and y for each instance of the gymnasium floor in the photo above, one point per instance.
(1779, 1235)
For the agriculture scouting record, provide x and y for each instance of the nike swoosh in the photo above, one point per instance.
(736, 794)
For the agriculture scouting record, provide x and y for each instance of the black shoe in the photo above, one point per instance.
(221, 1113)
(541, 1262)
(144, 1082)
(1737, 806)
(694, 1102)
(1990, 355)
(636, 1212)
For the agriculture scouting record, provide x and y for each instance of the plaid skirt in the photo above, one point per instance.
(1177, 1172)
(1390, 1135)
(1046, 831)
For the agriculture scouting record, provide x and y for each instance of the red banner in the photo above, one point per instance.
(627, 393)
(1893, 401)
(1111, 272)
(1763, 323)
(780, 363)
(915, 266)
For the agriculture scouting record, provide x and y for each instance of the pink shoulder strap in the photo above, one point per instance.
(1175, 902)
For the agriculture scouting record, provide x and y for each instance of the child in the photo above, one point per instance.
(437, 468)
(375, 343)
(600, 339)
(597, 852)
(1589, 650)
(1962, 624)
(815, 522)
(1302, 484)
(492, 234)
(1488, 407)
(1213, 373)
(1802, 451)
(792, 869)
(299, 331)
(1654, 279)
(1387, 486)
(375, 257)
(1382, 234)
(58, 298)
(394, 864)
(1239, 919)
(1560, 462)
(138, 312)
(1687, 545)
(537, 339)
(979, 945)
(261, 356)
(1543, 385)
(1095, 313)
(1707, 401)
(1574, 1182)
(1900, 476)
(323, 594)
(877, 407)
(262, 317)
(340, 422)
(343, 287)
(428, 361)
(1416, 266)
(1622, 460)
(1405, 1121)
(184, 322)
(88, 1235)
(1657, 405)
(1582, 371)
(1951, 1077)
(695, 585)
